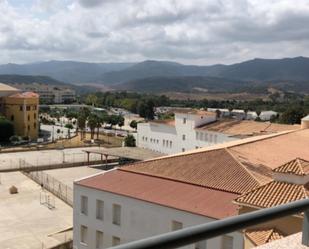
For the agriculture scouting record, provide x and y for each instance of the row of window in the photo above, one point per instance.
(13, 117)
(100, 210)
(212, 138)
(165, 143)
(28, 108)
(99, 238)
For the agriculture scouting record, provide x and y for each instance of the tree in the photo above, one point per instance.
(133, 124)
(81, 124)
(292, 115)
(7, 130)
(129, 141)
(92, 100)
(218, 113)
(92, 123)
(120, 121)
(146, 109)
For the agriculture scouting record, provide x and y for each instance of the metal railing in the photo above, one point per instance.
(213, 229)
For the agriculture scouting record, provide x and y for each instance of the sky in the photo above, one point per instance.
(200, 32)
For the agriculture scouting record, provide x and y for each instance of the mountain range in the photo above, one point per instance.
(161, 76)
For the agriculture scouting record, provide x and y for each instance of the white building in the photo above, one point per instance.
(117, 207)
(192, 129)
(50, 94)
(179, 135)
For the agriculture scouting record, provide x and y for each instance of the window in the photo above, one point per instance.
(196, 135)
(20, 107)
(196, 147)
(28, 127)
(34, 108)
(183, 137)
(200, 245)
(227, 242)
(28, 117)
(83, 234)
(206, 136)
(34, 125)
(116, 241)
(99, 240)
(201, 136)
(215, 138)
(28, 108)
(183, 150)
(34, 115)
(100, 210)
(163, 142)
(84, 205)
(184, 121)
(171, 143)
(210, 138)
(116, 214)
(176, 225)
(12, 118)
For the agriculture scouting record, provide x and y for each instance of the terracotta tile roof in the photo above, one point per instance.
(216, 169)
(273, 194)
(246, 127)
(182, 196)
(274, 150)
(24, 95)
(263, 235)
(297, 166)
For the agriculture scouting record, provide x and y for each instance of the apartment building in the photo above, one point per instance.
(50, 94)
(192, 129)
(21, 108)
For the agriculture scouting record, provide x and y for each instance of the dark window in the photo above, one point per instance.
(34, 125)
(28, 127)
(28, 107)
(20, 107)
(34, 115)
(12, 118)
(28, 117)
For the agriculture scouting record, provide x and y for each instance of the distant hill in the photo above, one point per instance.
(66, 71)
(29, 79)
(181, 84)
(289, 74)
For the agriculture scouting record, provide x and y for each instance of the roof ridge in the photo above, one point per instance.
(242, 165)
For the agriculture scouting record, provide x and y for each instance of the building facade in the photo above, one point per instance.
(104, 218)
(22, 110)
(179, 135)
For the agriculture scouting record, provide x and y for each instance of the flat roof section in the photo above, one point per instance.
(134, 153)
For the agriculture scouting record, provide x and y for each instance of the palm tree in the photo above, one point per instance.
(92, 123)
(81, 124)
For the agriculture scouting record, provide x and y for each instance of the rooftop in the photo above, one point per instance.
(263, 235)
(215, 169)
(5, 87)
(24, 95)
(182, 196)
(246, 127)
(192, 111)
(170, 122)
(297, 166)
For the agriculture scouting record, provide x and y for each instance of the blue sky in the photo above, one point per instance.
(191, 32)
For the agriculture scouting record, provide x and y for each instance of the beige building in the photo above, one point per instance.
(21, 109)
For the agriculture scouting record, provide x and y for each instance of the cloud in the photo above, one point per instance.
(195, 31)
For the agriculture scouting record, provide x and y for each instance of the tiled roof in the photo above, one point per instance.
(24, 95)
(216, 169)
(274, 150)
(273, 194)
(246, 127)
(297, 166)
(263, 235)
(182, 196)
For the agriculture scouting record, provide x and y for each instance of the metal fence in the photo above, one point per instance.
(213, 229)
(54, 186)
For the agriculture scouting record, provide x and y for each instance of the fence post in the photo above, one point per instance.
(305, 236)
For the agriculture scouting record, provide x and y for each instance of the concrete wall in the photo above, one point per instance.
(139, 219)
(181, 137)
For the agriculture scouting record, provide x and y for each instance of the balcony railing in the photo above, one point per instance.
(213, 229)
